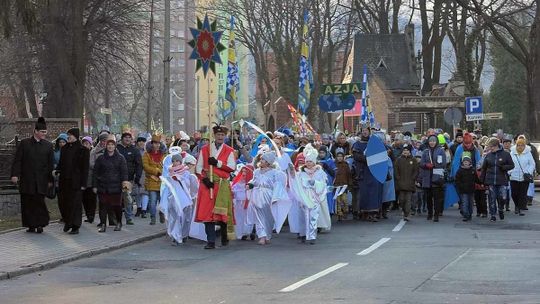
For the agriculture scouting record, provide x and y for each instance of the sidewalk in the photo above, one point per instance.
(22, 252)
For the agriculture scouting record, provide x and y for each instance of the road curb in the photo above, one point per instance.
(85, 254)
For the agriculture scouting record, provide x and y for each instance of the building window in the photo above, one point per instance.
(220, 76)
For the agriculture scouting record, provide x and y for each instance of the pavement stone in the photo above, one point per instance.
(22, 253)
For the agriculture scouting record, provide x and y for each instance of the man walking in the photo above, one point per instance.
(32, 171)
(214, 201)
(73, 167)
(134, 167)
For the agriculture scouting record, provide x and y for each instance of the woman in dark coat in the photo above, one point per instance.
(73, 168)
(32, 172)
(110, 176)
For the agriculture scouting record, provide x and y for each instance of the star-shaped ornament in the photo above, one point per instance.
(206, 45)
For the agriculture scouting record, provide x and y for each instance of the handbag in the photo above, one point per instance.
(527, 177)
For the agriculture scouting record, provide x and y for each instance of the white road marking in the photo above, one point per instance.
(374, 246)
(313, 277)
(399, 226)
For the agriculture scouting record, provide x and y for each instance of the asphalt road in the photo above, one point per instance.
(357, 262)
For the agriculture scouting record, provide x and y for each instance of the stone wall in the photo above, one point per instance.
(10, 203)
(55, 126)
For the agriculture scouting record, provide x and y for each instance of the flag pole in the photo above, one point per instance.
(210, 137)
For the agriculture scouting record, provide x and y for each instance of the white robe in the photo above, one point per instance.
(179, 206)
(269, 188)
(281, 209)
(242, 228)
(310, 191)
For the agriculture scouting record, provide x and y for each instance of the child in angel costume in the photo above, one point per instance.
(179, 211)
(309, 187)
(242, 229)
(266, 187)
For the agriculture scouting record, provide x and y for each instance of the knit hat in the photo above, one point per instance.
(340, 151)
(40, 124)
(140, 138)
(492, 142)
(467, 138)
(62, 136)
(269, 157)
(310, 154)
(176, 157)
(406, 147)
(442, 139)
(189, 159)
(126, 134)
(466, 158)
(103, 137)
(74, 131)
(459, 133)
(433, 138)
(111, 138)
(88, 139)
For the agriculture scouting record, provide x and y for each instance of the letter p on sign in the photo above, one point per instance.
(473, 105)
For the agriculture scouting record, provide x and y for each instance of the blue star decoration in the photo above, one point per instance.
(206, 45)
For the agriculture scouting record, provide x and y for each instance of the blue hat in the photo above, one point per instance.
(62, 136)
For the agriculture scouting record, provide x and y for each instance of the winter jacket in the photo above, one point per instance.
(109, 173)
(33, 165)
(343, 174)
(152, 171)
(495, 167)
(346, 147)
(406, 171)
(73, 166)
(465, 180)
(433, 177)
(133, 160)
(523, 163)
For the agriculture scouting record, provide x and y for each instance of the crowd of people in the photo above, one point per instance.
(251, 184)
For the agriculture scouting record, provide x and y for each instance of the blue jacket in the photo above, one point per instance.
(495, 168)
(433, 177)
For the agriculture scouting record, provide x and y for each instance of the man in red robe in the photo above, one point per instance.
(215, 207)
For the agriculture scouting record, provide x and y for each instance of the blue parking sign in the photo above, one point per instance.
(473, 105)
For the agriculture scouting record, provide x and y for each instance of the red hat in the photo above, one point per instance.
(467, 138)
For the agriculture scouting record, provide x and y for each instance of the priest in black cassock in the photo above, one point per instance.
(32, 172)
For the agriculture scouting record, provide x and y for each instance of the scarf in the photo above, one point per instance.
(178, 170)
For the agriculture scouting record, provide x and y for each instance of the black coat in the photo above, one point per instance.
(110, 172)
(73, 166)
(33, 165)
(495, 168)
(133, 161)
(466, 178)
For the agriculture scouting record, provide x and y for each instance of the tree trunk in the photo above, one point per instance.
(533, 79)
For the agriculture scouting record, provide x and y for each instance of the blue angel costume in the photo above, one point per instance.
(329, 166)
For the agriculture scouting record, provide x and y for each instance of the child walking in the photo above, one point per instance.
(343, 180)
(406, 172)
(466, 179)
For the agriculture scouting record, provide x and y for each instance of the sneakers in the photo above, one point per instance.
(436, 218)
(129, 222)
(39, 230)
(139, 212)
(406, 219)
(210, 245)
(493, 219)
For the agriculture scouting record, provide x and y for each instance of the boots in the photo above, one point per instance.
(161, 217)
(118, 227)
(143, 214)
(139, 212)
(103, 228)
(223, 231)
(501, 215)
(210, 245)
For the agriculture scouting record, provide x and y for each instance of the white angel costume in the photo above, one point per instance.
(309, 187)
(241, 202)
(179, 201)
(280, 210)
(268, 187)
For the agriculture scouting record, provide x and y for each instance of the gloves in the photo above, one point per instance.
(206, 181)
(429, 166)
(212, 161)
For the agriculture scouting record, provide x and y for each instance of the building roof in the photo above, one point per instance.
(389, 57)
